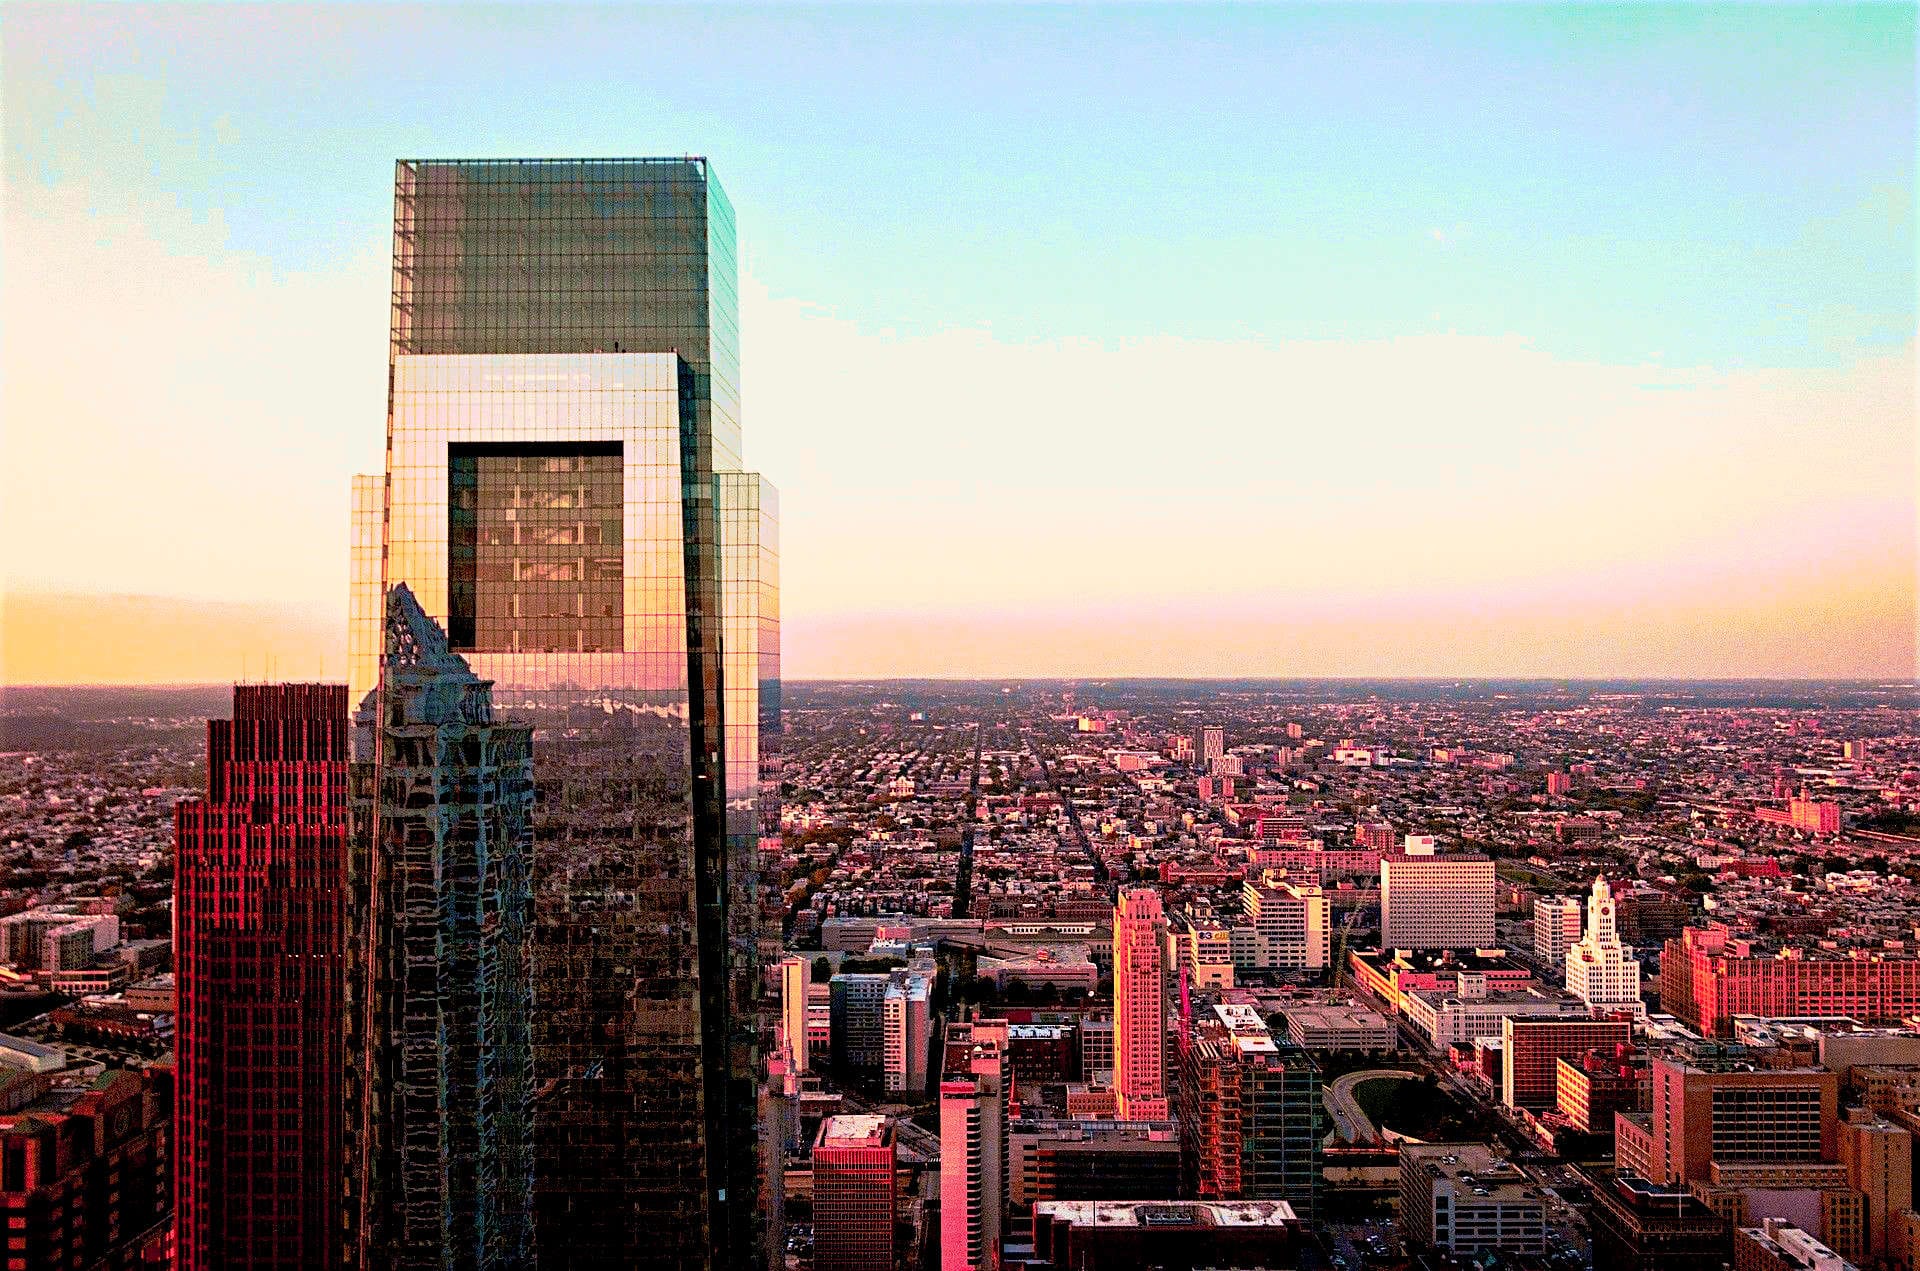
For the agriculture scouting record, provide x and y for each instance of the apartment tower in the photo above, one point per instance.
(853, 1194)
(976, 1080)
(1140, 1005)
(1289, 922)
(1556, 928)
(1252, 1119)
(905, 1024)
(795, 974)
(1432, 900)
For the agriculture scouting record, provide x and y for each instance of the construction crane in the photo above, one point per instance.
(1347, 924)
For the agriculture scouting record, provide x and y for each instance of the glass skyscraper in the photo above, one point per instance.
(564, 495)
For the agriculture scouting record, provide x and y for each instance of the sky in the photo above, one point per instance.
(1253, 340)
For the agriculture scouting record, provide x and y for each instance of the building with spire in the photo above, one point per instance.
(1601, 971)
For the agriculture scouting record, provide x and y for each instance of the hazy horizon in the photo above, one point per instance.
(1093, 683)
(133, 635)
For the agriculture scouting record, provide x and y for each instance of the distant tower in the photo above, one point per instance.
(440, 1038)
(1556, 926)
(1600, 971)
(795, 975)
(1140, 1005)
(1374, 836)
(973, 1145)
(259, 920)
(1210, 746)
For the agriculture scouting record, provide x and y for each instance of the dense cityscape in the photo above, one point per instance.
(1174, 974)
(1309, 669)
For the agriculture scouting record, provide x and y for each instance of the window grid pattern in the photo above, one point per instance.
(619, 1134)
(1761, 1124)
(259, 915)
(570, 303)
(533, 540)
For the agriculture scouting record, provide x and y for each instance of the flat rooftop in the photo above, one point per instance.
(1474, 1167)
(862, 1130)
(1039, 1032)
(1657, 1200)
(1439, 960)
(27, 1046)
(1334, 1017)
(1549, 997)
(1248, 1030)
(1169, 1213)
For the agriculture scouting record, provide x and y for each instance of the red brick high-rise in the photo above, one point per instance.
(259, 924)
(1531, 1050)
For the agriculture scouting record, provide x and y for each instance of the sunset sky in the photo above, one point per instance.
(1165, 341)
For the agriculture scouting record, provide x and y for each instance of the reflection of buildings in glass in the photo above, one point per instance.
(440, 1170)
(563, 493)
(533, 547)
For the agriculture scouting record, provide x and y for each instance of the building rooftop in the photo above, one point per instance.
(1439, 960)
(1169, 1213)
(862, 1130)
(1039, 1032)
(1472, 1167)
(33, 1049)
(1794, 1247)
(1650, 1199)
(1246, 1028)
(1718, 942)
(1546, 999)
(1335, 1016)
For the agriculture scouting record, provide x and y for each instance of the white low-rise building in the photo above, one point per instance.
(1461, 1198)
(1447, 1017)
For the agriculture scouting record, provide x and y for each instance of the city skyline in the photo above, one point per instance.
(960, 636)
(1477, 342)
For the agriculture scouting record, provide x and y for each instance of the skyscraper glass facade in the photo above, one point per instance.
(439, 1048)
(533, 547)
(563, 494)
